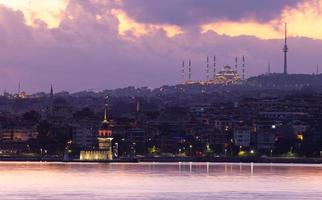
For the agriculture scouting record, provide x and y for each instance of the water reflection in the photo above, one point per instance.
(159, 181)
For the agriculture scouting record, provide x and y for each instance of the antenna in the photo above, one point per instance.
(243, 68)
(207, 70)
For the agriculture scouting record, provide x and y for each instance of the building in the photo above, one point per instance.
(84, 136)
(16, 140)
(265, 139)
(226, 76)
(18, 134)
(104, 149)
(242, 136)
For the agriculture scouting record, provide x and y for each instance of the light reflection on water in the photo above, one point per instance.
(80, 181)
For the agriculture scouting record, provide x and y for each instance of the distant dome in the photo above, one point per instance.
(227, 67)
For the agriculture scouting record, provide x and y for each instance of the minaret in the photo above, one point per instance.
(269, 68)
(285, 50)
(51, 100)
(138, 105)
(183, 73)
(207, 70)
(19, 88)
(51, 91)
(137, 111)
(214, 77)
(236, 64)
(243, 68)
(189, 70)
(317, 69)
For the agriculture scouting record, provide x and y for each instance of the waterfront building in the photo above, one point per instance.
(18, 134)
(16, 140)
(242, 136)
(265, 139)
(84, 136)
(223, 123)
(104, 149)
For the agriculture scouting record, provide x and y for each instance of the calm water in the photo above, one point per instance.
(159, 181)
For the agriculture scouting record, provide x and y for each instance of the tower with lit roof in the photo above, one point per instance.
(104, 137)
(104, 150)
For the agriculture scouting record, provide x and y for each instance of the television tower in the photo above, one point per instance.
(207, 70)
(285, 50)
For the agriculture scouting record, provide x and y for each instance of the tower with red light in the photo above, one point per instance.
(104, 137)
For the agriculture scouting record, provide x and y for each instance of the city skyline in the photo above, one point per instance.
(117, 43)
(160, 99)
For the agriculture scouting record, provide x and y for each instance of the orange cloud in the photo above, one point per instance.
(49, 11)
(128, 25)
(263, 31)
(304, 20)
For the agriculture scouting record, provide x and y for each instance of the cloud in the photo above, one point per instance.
(48, 11)
(128, 26)
(303, 20)
(93, 47)
(192, 12)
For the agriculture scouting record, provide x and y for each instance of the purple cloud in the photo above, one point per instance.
(85, 53)
(188, 12)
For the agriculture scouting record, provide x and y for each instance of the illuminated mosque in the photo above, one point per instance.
(104, 150)
(227, 75)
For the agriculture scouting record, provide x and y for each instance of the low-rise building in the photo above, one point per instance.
(242, 136)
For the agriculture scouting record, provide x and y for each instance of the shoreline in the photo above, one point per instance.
(281, 160)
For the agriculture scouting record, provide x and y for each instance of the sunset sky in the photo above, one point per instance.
(96, 44)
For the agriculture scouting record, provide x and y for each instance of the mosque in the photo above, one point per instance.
(227, 75)
(104, 149)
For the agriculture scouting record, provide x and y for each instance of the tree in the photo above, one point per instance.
(32, 117)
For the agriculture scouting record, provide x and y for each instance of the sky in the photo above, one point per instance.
(104, 44)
